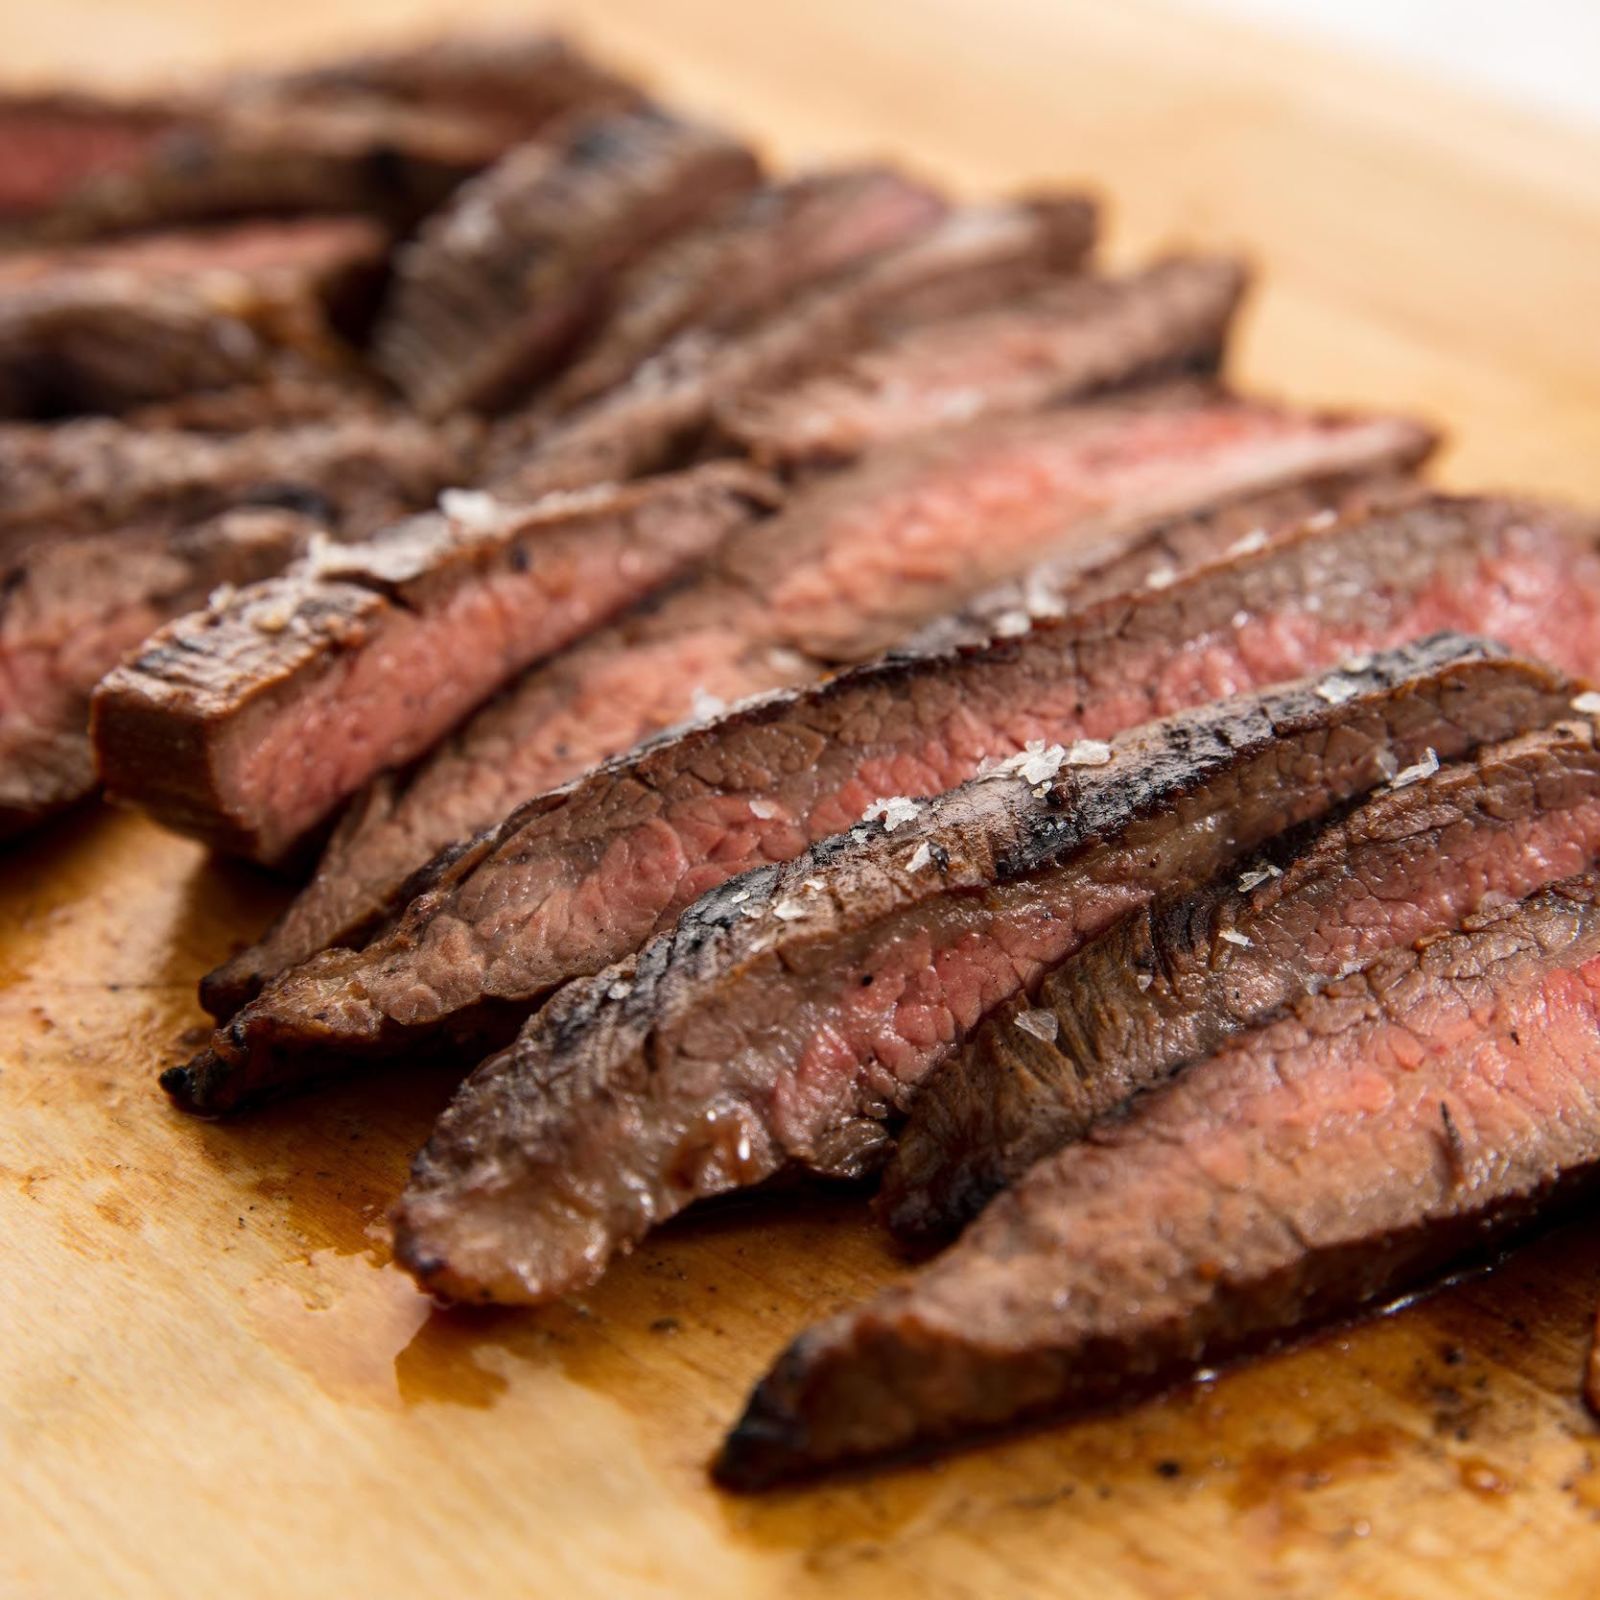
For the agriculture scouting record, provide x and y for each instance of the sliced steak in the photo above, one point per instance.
(1066, 339)
(776, 241)
(792, 1010)
(1404, 1119)
(106, 326)
(282, 399)
(857, 562)
(248, 723)
(96, 475)
(500, 285)
(1174, 980)
(664, 413)
(72, 608)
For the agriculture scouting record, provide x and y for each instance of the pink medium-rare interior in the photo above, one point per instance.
(47, 152)
(295, 755)
(573, 909)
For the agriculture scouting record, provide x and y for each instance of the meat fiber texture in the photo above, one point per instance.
(795, 1009)
(856, 563)
(665, 412)
(248, 723)
(1064, 339)
(108, 326)
(502, 283)
(1174, 980)
(1358, 1142)
(72, 608)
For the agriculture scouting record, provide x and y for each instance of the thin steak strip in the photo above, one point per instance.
(248, 723)
(792, 1010)
(500, 284)
(107, 326)
(1367, 1138)
(664, 413)
(1066, 339)
(352, 474)
(777, 241)
(70, 609)
(857, 563)
(1177, 977)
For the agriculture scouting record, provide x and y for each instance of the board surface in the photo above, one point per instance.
(211, 1379)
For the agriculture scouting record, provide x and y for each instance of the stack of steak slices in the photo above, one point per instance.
(792, 1011)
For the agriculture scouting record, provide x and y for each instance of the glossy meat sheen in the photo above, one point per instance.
(69, 610)
(1175, 979)
(792, 1010)
(1066, 339)
(664, 412)
(854, 565)
(779, 240)
(1320, 1163)
(107, 326)
(499, 285)
(247, 723)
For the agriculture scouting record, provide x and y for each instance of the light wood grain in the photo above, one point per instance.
(211, 1380)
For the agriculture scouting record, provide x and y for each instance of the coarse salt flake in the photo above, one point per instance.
(1143, 981)
(891, 811)
(763, 809)
(1088, 753)
(1161, 577)
(1011, 624)
(1253, 541)
(1360, 662)
(788, 910)
(1258, 875)
(920, 857)
(1587, 704)
(1323, 519)
(475, 509)
(703, 706)
(1041, 1024)
(1425, 768)
(1233, 936)
(1337, 690)
(620, 990)
(1036, 763)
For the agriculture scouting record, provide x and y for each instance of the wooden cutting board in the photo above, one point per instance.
(211, 1379)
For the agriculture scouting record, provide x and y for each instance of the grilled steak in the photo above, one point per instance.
(795, 1008)
(98, 475)
(246, 724)
(716, 278)
(1403, 1119)
(664, 413)
(1171, 983)
(102, 327)
(71, 608)
(280, 400)
(1065, 339)
(500, 284)
(857, 562)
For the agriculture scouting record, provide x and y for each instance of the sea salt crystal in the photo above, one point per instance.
(1337, 690)
(1041, 597)
(1161, 577)
(788, 910)
(1243, 940)
(620, 990)
(1143, 981)
(703, 706)
(813, 885)
(1253, 541)
(1011, 624)
(920, 857)
(1257, 875)
(763, 809)
(1036, 763)
(1041, 1024)
(1323, 519)
(892, 811)
(475, 509)
(1425, 768)
(1386, 763)
(1587, 704)
(272, 619)
(739, 897)
(1359, 662)
(223, 595)
(1088, 753)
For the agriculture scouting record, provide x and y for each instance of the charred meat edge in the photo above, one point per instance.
(684, 1072)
